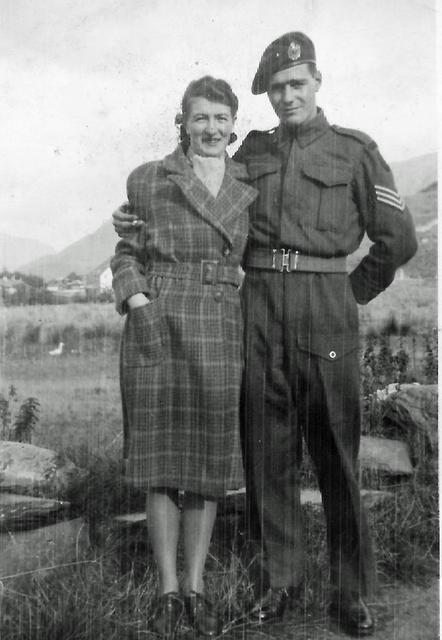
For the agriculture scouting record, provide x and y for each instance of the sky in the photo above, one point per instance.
(90, 89)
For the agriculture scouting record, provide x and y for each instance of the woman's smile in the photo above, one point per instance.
(209, 126)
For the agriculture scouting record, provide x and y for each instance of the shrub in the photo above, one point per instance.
(431, 363)
(18, 421)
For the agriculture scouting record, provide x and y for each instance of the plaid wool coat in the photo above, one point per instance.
(181, 355)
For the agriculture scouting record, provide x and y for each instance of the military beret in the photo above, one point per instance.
(289, 50)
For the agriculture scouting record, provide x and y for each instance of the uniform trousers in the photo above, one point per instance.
(302, 379)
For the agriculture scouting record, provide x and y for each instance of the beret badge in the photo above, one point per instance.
(294, 51)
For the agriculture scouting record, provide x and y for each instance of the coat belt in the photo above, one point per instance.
(206, 271)
(291, 260)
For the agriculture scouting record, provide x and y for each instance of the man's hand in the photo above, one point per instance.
(125, 222)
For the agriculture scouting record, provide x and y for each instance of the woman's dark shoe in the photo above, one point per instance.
(352, 614)
(168, 614)
(201, 615)
(271, 606)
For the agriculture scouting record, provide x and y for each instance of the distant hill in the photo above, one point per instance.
(14, 251)
(414, 175)
(82, 256)
(423, 206)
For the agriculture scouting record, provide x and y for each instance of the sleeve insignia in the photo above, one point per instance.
(388, 196)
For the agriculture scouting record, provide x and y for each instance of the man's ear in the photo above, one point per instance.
(318, 80)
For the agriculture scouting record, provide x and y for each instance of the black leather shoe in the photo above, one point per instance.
(201, 615)
(271, 606)
(352, 615)
(167, 615)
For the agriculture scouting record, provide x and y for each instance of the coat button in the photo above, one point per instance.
(332, 355)
(218, 295)
(226, 252)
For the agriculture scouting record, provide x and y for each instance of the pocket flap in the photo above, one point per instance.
(329, 174)
(330, 347)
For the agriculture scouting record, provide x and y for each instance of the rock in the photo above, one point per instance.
(414, 410)
(25, 468)
(18, 512)
(381, 454)
(369, 497)
(57, 544)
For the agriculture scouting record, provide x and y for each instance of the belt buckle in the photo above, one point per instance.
(209, 271)
(285, 260)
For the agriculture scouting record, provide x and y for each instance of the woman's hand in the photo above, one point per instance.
(137, 300)
(125, 222)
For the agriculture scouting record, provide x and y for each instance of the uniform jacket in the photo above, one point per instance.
(320, 191)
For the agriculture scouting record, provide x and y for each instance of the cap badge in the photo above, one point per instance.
(294, 51)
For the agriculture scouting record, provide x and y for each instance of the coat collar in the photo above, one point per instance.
(234, 196)
(305, 133)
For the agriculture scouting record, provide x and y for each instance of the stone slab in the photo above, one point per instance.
(26, 512)
(25, 468)
(388, 456)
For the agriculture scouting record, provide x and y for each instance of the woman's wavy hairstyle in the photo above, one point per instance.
(214, 90)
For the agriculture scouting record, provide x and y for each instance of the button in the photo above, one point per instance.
(226, 252)
(332, 355)
(218, 295)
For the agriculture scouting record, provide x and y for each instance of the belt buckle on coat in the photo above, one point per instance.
(209, 271)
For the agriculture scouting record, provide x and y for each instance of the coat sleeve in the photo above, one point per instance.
(388, 224)
(128, 262)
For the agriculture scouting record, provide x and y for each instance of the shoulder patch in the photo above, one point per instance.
(360, 136)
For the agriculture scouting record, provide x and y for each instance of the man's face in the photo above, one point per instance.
(292, 94)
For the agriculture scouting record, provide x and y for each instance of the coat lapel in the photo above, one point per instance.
(233, 197)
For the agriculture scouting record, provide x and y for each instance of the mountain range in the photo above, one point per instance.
(14, 250)
(415, 178)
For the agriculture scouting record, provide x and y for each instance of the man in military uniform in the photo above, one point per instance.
(321, 187)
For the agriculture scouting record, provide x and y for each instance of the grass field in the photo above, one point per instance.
(79, 391)
(30, 331)
(79, 396)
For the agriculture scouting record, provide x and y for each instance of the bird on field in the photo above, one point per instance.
(58, 351)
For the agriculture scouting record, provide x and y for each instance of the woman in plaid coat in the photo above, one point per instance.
(181, 358)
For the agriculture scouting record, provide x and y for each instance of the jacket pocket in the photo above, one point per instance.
(144, 339)
(265, 176)
(327, 194)
(329, 347)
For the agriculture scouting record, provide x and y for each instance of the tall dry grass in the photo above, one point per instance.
(25, 330)
(409, 304)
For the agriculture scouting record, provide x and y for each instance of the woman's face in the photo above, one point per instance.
(209, 125)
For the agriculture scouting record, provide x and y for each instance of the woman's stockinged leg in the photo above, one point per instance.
(199, 514)
(163, 523)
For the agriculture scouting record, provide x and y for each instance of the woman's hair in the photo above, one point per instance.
(212, 89)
